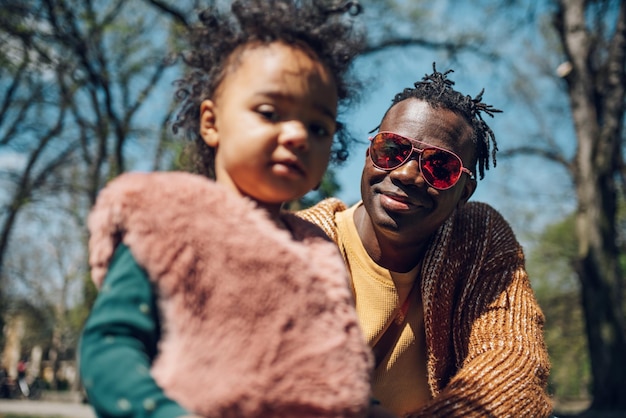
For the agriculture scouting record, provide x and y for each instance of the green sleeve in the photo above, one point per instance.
(118, 344)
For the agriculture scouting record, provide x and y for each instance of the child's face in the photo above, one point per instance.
(272, 121)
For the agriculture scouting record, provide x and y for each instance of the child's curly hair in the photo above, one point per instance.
(437, 89)
(320, 27)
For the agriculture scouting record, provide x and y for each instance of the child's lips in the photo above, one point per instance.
(289, 166)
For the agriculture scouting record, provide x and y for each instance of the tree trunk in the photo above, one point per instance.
(596, 90)
(598, 273)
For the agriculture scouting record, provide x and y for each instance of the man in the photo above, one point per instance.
(440, 283)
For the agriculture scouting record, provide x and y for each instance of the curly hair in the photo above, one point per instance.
(436, 89)
(322, 28)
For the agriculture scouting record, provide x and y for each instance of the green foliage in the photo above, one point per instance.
(89, 293)
(328, 187)
(557, 289)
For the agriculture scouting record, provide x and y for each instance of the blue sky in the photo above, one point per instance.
(529, 191)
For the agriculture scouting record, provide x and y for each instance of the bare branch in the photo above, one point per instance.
(177, 14)
(8, 99)
(452, 47)
(551, 155)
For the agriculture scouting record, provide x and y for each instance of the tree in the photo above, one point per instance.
(76, 82)
(592, 35)
(550, 262)
(26, 95)
(596, 83)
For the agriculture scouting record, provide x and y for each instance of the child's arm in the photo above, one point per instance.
(118, 344)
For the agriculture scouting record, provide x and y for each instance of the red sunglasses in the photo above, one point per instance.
(440, 167)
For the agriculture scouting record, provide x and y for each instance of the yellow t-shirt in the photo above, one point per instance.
(400, 382)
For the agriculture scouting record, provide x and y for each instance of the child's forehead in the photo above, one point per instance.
(278, 70)
(241, 52)
(277, 60)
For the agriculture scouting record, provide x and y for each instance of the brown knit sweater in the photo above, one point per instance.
(257, 321)
(484, 328)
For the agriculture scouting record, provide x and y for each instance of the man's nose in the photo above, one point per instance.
(409, 173)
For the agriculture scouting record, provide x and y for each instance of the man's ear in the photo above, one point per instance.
(208, 130)
(468, 190)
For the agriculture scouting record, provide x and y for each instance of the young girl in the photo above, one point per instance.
(212, 300)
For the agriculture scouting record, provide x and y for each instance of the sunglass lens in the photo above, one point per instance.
(388, 151)
(440, 168)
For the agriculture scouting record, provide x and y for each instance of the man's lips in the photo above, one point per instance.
(398, 202)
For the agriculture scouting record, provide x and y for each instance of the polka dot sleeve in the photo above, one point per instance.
(118, 344)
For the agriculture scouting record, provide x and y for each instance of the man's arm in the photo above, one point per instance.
(497, 329)
(323, 215)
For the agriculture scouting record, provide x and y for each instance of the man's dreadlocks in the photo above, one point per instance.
(436, 89)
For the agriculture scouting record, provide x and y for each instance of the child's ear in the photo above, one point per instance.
(208, 131)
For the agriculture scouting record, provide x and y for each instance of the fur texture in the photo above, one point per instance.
(257, 322)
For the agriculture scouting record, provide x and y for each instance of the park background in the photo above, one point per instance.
(86, 92)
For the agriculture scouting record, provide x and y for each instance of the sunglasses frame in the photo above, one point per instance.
(419, 151)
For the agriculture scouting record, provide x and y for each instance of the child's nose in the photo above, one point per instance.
(295, 134)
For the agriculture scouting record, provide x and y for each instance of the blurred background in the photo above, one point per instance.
(86, 92)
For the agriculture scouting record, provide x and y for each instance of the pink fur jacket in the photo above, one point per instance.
(257, 322)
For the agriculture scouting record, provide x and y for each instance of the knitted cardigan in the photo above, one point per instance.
(484, 328)
(255, 322)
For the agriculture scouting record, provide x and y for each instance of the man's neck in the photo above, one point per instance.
(391, 254)
(399, 258)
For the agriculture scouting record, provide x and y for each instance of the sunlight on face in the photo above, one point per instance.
(272, 122)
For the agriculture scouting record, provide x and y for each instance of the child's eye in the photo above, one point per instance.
(268, 112)
(322, 130)
(319, 130)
